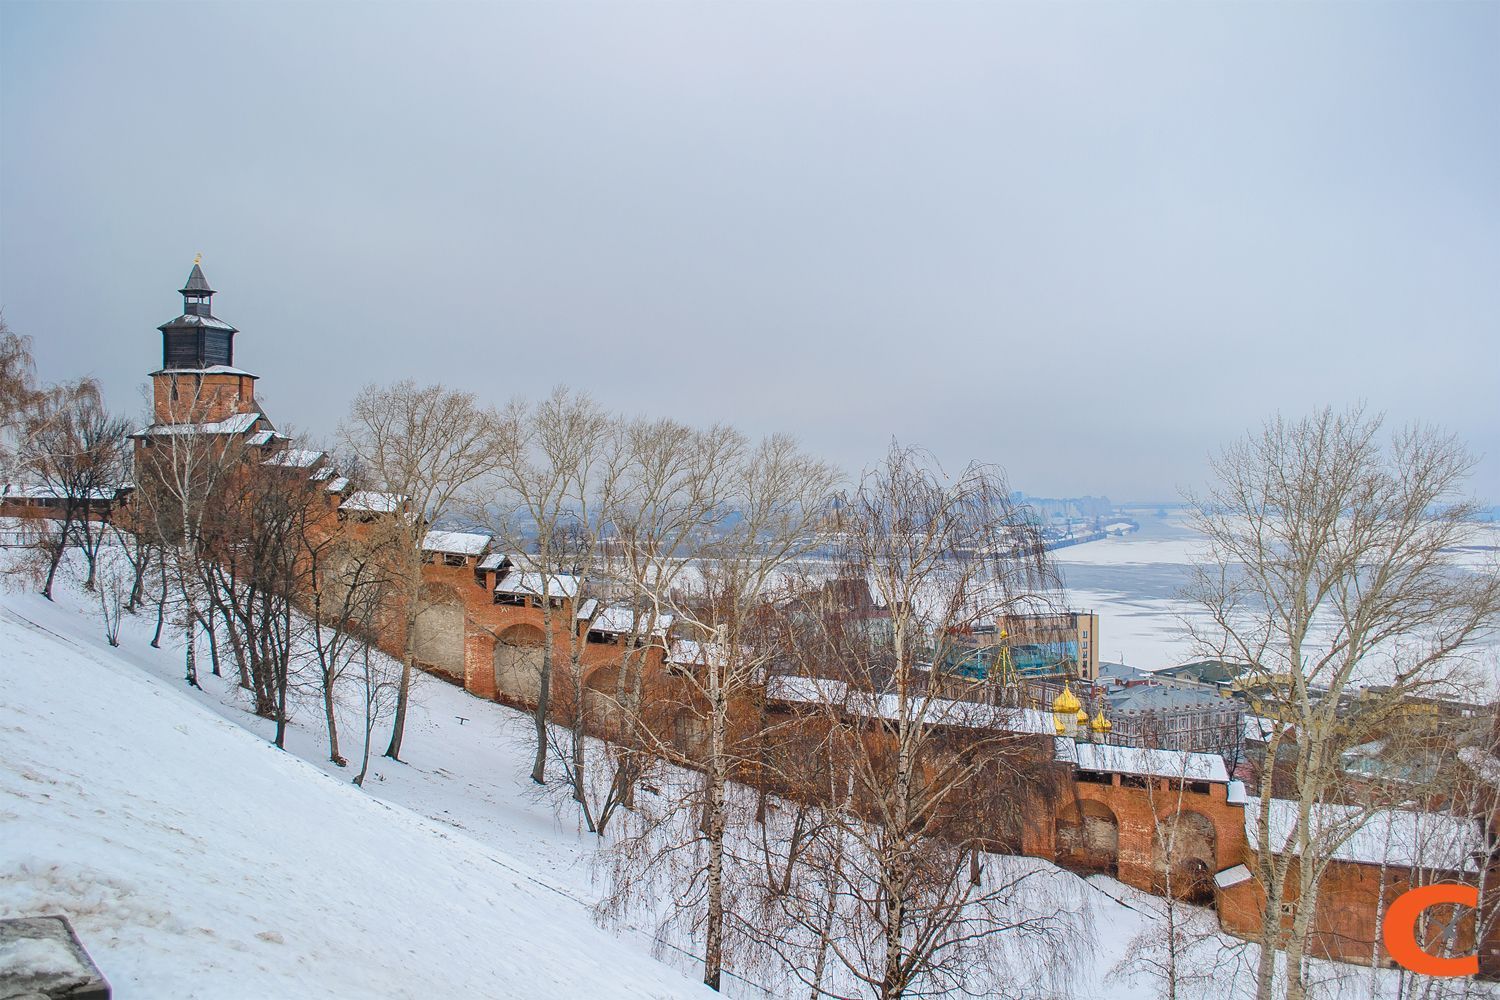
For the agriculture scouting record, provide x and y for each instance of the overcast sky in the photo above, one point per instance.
(1090, 243)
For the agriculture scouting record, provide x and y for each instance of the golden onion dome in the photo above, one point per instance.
(1083, 717)
(1100, 723)
(1065, 703)
(1058, 723)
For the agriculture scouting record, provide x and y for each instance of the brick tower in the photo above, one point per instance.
(197, 382)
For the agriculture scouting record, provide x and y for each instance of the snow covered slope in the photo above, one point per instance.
(197, 861)
(183, 845)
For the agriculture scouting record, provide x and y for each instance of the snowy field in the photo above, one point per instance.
(196, 860)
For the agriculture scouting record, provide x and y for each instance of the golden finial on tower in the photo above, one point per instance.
(197, 259)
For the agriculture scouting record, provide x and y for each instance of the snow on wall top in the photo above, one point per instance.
(464, 543)
(625, 621)
(372, 502)
(936, 711)
(1395, 836)
(494, 560)
(1157, 763)
(530, 584)
(295, 458)
(942, 712)
(692, 653)
(44, 491)
(210, 370)
(238, 423)
(1232, 876)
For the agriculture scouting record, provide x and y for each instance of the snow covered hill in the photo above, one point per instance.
(196, 860)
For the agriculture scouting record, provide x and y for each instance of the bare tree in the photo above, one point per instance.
(75, 453)
(549, 453)
(113, 586)
(257, 573)
(137, 548)
(1474, 793)
(654, 494)
(672, 501)
(348, 575)
(916, 911)
(379, 685)
(1433, 775)
(17, 374)
(161, 591)
(21, 397)
(182, 471)
(778, 495)
(588, 775)
(877, 889)
(429, 448)
(1326, 573)
(1172, 951)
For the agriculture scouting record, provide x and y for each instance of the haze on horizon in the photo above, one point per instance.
(1089, 242)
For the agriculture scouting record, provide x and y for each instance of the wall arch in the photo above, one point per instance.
(600, 711)
(689, 734)
(438, 633)
(1185, 844)
(518, 663)
(1088, 837)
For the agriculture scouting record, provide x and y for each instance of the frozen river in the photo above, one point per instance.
(1134, 583)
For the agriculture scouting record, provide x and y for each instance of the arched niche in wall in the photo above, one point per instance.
(1088, 837)
(1184, 848)
(518, 663)
(438, 635)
